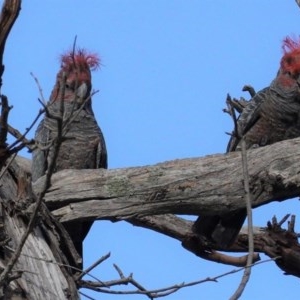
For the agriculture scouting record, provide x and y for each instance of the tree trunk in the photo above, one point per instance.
(40, 270)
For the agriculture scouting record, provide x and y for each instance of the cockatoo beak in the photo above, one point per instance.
(82, 92)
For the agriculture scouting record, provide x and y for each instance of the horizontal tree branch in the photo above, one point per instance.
(150, 196)
(197, 186)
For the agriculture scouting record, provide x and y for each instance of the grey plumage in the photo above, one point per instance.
(83, 145)
(272, 115)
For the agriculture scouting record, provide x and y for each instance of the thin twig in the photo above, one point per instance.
(71, 118)
(10, 264)
(7, 165)
(74, 49)
(5, 108)
(94, 265)
(291, 224)
(86, 296)
(247, 271)
(283, 219)
(40, 88)
(118, 269)
(9, 14)
(22, 137)
(132, 281)
(162, 292)
(4, 275)
(234, 118)
(50, 261)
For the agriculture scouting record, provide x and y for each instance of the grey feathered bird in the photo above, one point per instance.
(272, 115)
(83, 146)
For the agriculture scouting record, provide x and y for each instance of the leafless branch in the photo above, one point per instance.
(44, 102)
(161, 292)
(231, 110)
(247, 271)
(94, 265)
(238, 104)
(74, 49)
(21, 138)
(195, 245)
(68, 121)
(283, 220)
(7, 165)
(86, 296)
(66, 265)
(104, 287)
(9, 13)
(5, 274)
(5, 108)
(7, 150)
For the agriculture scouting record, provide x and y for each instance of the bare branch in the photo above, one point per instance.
(9, 13)
(43, 101)
(248, 196)
(195, 245)
(68, 121)
(21, 138)
(284, 219)
(161, 292)
(5, 108)
(7, 165)
(187, 186)
(94, 265)
(86, 296)
(12, 261)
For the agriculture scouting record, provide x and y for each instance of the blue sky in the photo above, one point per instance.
(166, 69)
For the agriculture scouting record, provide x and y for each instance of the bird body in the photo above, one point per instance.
(83, 145)
(83, 148)
(269, 117)
(272, 115)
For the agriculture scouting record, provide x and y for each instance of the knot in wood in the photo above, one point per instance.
(157, 195)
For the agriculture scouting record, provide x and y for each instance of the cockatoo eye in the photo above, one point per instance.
(69, 86)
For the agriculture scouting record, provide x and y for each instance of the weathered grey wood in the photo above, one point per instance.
(42, 275)
(145, 196)
(208, 185)
(178, 228)
(37, 273)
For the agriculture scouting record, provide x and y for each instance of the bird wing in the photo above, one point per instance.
(40, 153)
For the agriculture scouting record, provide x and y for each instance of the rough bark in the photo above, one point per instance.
(196, 186)
(9, 13)
(148, 196)
(40, 271)
(141, 195)
(145, 196)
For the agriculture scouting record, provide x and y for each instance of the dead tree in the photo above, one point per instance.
(148, 197)
(36, 254)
